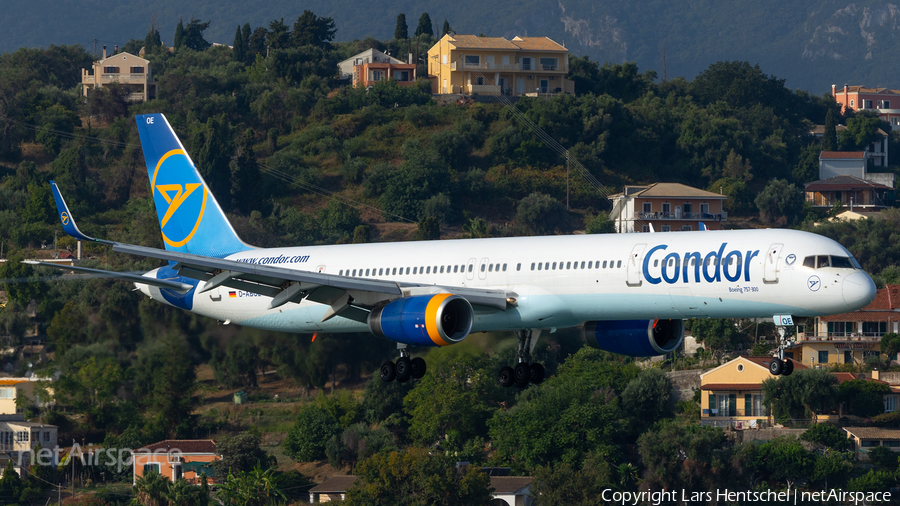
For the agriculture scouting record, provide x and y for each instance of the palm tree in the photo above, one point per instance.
(182, 493)
(151, 490)
(252, 488)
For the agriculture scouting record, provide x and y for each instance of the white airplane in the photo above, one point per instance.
(628, 292)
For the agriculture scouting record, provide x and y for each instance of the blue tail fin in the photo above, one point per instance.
(190, 219)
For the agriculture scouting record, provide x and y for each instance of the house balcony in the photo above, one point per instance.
(723, 216)
(839, 337)
(509, 67)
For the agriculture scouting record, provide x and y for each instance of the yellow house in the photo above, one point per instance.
(732, 392)
(13, 388)
(523, 66)
(123, 68)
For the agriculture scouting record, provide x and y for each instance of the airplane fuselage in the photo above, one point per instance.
(563, 281)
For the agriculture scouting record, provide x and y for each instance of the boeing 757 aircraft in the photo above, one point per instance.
(630, 293)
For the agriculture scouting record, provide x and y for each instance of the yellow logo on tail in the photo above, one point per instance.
(176, 195)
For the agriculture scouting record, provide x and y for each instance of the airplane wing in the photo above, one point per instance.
(125, 276)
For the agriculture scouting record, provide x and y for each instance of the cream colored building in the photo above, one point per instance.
(123, 68)
(522, 66)
(13, 388)
(732, 392)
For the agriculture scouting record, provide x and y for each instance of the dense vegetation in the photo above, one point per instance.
(810, 44)
(296, 157)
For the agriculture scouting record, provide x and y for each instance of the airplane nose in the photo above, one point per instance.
(858, 290)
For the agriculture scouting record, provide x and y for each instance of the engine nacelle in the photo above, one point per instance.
(636, 338)
(424, 320)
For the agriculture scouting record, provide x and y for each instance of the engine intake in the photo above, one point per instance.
(424, 320)
(636, 338)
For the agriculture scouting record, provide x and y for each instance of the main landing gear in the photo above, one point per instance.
(779, 365)
(404, 369)
(524, 372)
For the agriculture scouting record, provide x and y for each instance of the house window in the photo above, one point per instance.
(688, 208)
(666, 208)
(645, 228)
(884, 104)
(47, 436)
(443, 59)
(759, 409)
(686, 228)
(472, 60)
(110, 70)
(505, 59)
(823, 357)
(851, 103)
(890, 403)
(726, 404)
(550, 63)
(527, 63)
(648, 207)
(402, 75)
(137, 70)
(891, 444)
(867, 104)
(153, 467)
(479, 81)
(21, 436)
(666, 228)
(874, 328)
(704, 210)
(870, 444)
(7, 393)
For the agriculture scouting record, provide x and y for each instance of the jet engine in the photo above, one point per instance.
(424, 320)
(636, 338)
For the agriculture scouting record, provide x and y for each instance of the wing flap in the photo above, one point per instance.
(134, 278)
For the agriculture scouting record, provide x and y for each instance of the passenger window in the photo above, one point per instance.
(428, 270)
(823, 261)
(568, 265)
(442, 269)
(604, 264)
(415, 270)
(540, 266)
(589, 264)
(482, 267)
(381, 272)
(546, 266)
(341, 273)
(532, 265)
(354, 272)
(554, 266)
(582, 265)
(504, 267)
(367, 272)
(619, 264)
(407, 270)
(455, 269)
(470, 268)
(491, 268)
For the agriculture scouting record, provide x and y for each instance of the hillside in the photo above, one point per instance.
(811, 44)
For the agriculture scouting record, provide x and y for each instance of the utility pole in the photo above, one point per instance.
(72, 458)
(567, 180)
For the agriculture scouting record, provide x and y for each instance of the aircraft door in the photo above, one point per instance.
(470, 269)
(634, 265)
(482, 268)
(770, 267)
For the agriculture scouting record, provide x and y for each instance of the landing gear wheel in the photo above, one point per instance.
(506, 377)
(788, 368)
(776, 366)
(403, 369)
(536, 373)
(388, 372)
(521, 373)
(417, 367)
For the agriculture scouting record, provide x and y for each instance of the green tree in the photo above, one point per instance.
(252, 488)
(689, 457)
(828, 435)
(357, 443)
(865, 398)
(182, 493)
(786, 461)
(860, 132)
(213, 157)
(829, 138)
(312, 429)
(564, 484)
(428, 229)
(401, 32)
(599, 224)
(802, 394)
(884, 458)
(312, 30)
(425, 27)
(425, 479)
(807, 169)
(646, 399)
(192, 35)
(245, 175)
(873, 481)
(780, 203)
(240, 454)
(890, 344)
(718, 335)
(237, 52)
(541, 214)
(446, 29)
(152, 42)
(246, 32)
(179, 35)
(151, 489)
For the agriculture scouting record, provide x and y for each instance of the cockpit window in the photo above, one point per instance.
(841, 262)
(822, 261)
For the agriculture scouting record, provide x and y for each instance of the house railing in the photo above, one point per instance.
(723, 216)
(718, 413)
(841, 336)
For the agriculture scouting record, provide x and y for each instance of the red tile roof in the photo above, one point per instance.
(883, 308)
(510, 484)
(183, 445)
(843, 183)
(764, 361)
(335, 484)
(842, 155)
